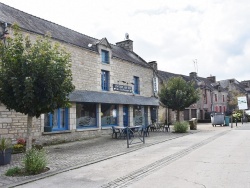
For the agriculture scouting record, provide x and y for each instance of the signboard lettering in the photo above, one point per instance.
(122, 88)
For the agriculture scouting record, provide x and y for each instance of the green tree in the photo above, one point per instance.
(35, 77)
(178, 94)
(233, 99)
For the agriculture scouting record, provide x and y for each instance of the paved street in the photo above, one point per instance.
(76, 164)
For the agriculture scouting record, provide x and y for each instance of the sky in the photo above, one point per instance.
(210, 37)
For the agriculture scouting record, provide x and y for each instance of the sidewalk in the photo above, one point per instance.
(64, 157)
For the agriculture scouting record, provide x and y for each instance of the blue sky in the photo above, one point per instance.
(173, 33)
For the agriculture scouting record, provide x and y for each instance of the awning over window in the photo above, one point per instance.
(112, 98)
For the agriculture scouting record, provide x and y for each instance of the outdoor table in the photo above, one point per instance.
(132, 130)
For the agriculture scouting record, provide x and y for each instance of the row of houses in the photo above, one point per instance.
(113, 86)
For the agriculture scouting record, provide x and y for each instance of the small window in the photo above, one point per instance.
(223, 98)
(215, 97)
(216, 109)
(105, 56)
(105, 80)
(136, 85)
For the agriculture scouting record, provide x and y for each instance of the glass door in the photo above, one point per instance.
(125, 115)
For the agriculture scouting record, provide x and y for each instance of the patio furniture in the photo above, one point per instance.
(152, 127)
(145, 129)
(115, 132)
(167, 127)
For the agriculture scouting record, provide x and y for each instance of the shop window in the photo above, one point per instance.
(105, 56)
(137, 115)
(85, 115)
(109, 114)
(58, 120)
(105, 80)
(136, 85)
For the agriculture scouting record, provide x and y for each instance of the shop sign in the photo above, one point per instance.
(155, 85)
(242, 103)
(122, 88)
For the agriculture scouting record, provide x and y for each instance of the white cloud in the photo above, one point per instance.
(173, 33)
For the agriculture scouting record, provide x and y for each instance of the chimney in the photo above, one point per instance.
(153, 64)
(126, 44)
(212, 79)
(192, 75)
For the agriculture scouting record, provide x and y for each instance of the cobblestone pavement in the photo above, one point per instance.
(64, 157)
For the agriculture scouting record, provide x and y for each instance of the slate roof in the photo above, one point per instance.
(238, 85)
(40, 26)
(167, 75)
(111, 98)
(207, 83)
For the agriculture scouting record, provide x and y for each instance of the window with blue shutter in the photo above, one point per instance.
(58, 120)
(105, 56)
(105, 80)
(136, 85)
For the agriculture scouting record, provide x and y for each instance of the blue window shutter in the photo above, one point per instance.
(58, 117)
(136, 85)
(66, 118)
(105, 80)
(50, 119)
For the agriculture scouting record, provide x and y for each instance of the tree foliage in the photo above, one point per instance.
(35, 78)
(233, 99)
(178, 94)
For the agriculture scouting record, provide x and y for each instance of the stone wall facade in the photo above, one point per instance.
(14, 125)
(86, 72)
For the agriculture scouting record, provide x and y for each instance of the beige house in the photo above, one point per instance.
(114, 85)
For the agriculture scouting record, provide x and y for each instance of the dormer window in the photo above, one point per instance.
(105, 56)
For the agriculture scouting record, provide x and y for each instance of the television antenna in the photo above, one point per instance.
(195, 66)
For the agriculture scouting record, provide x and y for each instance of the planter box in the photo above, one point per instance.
(5, 157)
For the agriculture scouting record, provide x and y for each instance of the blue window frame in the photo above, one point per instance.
(105, 80)
(105, 56)
(58, 120)
(136, 85)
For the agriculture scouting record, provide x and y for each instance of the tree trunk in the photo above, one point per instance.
(29, 136)
(178, 115)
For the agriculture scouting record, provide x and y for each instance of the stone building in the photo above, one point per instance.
(114, 85)
(234, 87)
(212, 98)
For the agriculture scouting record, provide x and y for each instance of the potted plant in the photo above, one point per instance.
(20, 146)
(5, 151)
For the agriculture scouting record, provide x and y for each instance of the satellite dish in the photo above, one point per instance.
(89, 45)
(126, 36)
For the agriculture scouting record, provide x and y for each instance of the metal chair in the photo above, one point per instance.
(115, 132)
(145, 129)
(167, 127)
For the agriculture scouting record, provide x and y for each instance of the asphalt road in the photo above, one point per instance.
(212, 158)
